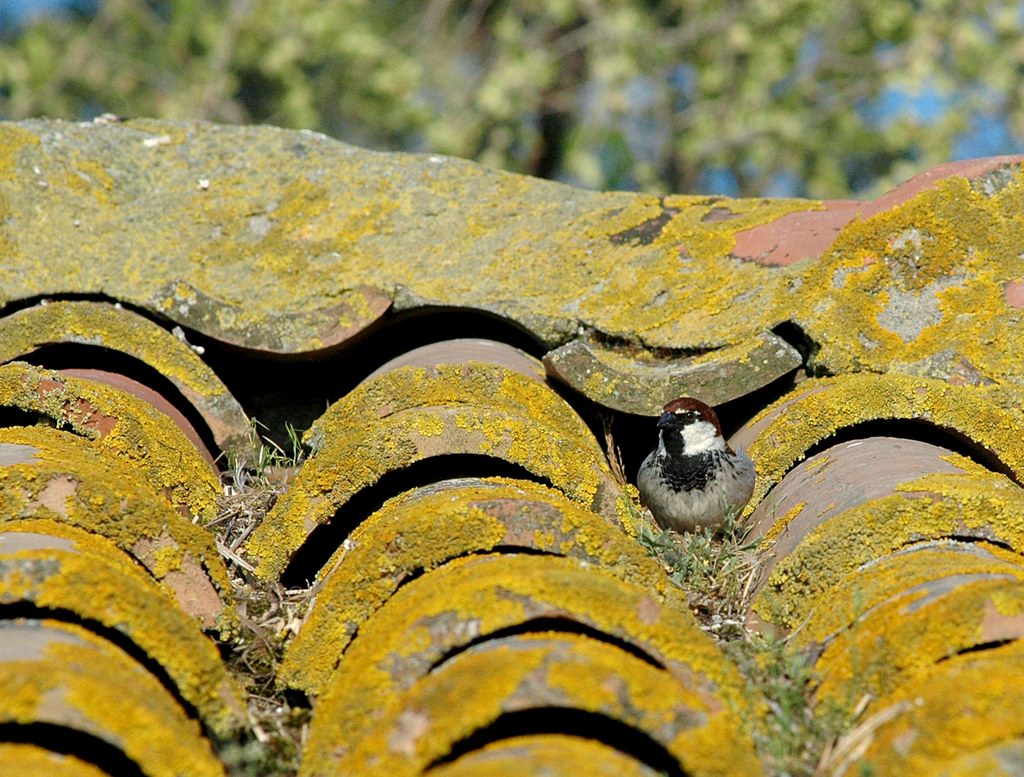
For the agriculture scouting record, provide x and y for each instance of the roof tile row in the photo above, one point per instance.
(888, 500)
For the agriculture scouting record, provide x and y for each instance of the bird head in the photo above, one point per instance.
(695, 422)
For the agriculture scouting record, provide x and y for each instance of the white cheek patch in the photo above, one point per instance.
(701, 437)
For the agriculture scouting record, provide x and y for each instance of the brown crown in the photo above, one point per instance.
(689, 403)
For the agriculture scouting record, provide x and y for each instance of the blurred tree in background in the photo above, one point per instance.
(749, 97)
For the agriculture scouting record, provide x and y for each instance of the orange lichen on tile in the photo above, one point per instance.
(423, 529)
(483, 409)
(817, 409)
(121, 425)
(62, 675)
(78, 573)
(982, 505)
(60, 477)
(103, 325)
(471, 689)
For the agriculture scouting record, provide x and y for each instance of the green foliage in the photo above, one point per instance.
(606, 93)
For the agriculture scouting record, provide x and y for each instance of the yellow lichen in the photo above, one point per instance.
(472, 689)
(548, 754)
(167, 559)
(482, 409)
(103, 496)
(898, 638)
(817, 409)
(127, 427)
(107, 326)
(879, 580)
(18, 759)
(985, 506)
(970, 702)
(95, 585)
(72, 682)
(421, 530)
(919, 287)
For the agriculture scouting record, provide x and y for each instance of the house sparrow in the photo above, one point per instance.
(693, 477)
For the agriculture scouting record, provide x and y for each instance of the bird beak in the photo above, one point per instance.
(667, 421)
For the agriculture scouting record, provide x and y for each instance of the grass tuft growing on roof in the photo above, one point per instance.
(717, 569)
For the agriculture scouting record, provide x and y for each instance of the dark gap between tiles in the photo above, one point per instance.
(29, 611)
(71, 742)
(561, 625)
(278, 390)
(326, 538)
(570, 722)
(981, 647)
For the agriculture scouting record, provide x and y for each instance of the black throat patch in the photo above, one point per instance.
(682, 471)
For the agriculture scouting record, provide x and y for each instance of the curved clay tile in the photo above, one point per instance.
(54, 476)
(553, 755)
(150, 396)
(104, 325)
(959, 613)
(966, 705)
(920, 284)
(474, 688)
(121, 425)
(781, 435)
(64, 573)
(432, 525)
(889, 577)
(919, 276)
(841, 477)
(976, 505)
(18, 758)
(636, 381)
(412, 414)
(63, 676)
(489, 595)
(464, 350)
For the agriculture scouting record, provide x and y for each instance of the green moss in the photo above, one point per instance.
(421, 530)
(472, 689)
(128, 428)
(87, 581)
(475, 408)
(107, 326)
(68, 480)
(62, 675)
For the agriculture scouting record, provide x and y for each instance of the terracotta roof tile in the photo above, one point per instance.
(482, 601)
